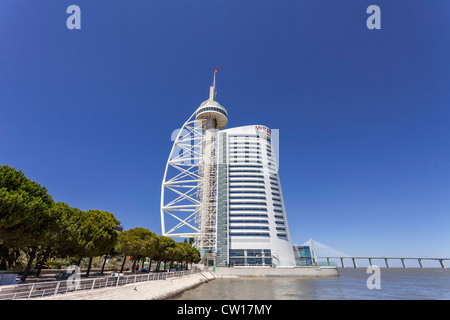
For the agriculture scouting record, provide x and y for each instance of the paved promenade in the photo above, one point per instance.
(150, 290)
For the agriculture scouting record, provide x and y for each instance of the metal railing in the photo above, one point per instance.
(52, 288)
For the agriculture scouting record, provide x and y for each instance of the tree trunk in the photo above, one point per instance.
(123, 263)
(30, 262)
(133, 267)
(42, 261)
(104, 262)
(78, 262)
(89, 267)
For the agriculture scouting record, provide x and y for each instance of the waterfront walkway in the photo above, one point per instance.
(150, 290)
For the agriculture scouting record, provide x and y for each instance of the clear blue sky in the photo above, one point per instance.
(363, 114)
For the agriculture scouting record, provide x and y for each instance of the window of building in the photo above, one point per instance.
(250, 257)
(249, 203)
(248, 228)
(248, 209)
(249, 214)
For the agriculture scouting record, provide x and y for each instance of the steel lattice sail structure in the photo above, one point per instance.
(188, 192)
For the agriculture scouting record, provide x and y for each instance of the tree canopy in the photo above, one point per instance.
(24, 210)
(32, 222)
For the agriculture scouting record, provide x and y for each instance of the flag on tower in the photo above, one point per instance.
(217, 69)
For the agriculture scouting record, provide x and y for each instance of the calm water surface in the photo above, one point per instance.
(396, 283)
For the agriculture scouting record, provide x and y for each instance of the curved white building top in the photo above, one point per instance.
(213, 109)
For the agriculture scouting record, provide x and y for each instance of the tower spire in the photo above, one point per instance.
(212, 89)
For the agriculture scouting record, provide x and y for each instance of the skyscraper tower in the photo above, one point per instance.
(222, 188)
(212, 117)
(188, 192)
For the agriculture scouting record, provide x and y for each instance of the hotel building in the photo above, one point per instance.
(221, 187)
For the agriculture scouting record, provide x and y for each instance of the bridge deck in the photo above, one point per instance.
(386, 260)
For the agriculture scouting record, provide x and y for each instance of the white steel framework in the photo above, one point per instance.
(188, 191)
(179, 191)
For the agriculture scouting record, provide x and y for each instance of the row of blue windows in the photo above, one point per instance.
(234, 155)
(250, 221)
(249, 228)
(244, 144)
(277, 205)
(244, 151)
(258, 252)
(246, 138)
(246, 176)
(240, 215)
(250, 262)
(279, 222)
(241, 147)
(246, 181)
(248, 209)
(243, 136)
(250, 187)
(255, 171)
(240, 157)
(250, 253)
(235, 159)
(250, 192)
(278, 210)
(249, 203)
(234, 142)
(212, 109)
(245, 166)
(248, 160)
(268, 139)
(247, 197)
(250, 234)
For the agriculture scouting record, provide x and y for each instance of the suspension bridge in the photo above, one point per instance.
(329, 253)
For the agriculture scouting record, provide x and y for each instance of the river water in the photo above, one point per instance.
(395, 283)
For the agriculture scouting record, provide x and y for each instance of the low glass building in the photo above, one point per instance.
(302, 256)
